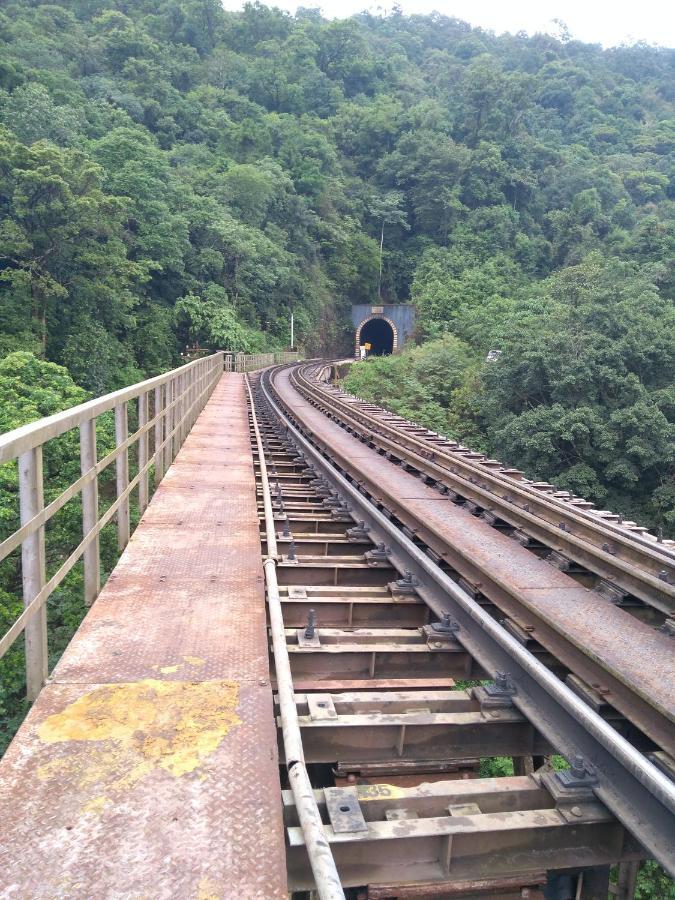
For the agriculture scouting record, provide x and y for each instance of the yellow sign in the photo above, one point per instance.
(368, 346)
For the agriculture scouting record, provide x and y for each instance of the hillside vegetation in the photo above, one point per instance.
(172, 173)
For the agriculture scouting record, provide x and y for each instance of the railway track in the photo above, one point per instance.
(639, 567)
(573, 612)
(401, 667)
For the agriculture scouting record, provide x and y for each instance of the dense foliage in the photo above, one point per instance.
(173, 173)
(582, 393)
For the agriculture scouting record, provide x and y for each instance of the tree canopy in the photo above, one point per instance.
(172, 172)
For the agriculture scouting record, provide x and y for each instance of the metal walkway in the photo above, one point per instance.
(148, 764)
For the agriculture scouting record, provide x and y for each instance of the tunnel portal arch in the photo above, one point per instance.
(380, 331)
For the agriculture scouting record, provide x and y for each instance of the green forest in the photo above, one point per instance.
(173, 174)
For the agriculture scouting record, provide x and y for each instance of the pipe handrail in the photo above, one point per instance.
(19, 440)
(252, 362)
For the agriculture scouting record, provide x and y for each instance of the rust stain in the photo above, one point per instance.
(171, 725)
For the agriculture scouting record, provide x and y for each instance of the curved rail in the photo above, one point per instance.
(590, 646)
(641, 796)
(637, 563)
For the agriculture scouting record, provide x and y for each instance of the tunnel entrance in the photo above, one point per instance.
(380, 335)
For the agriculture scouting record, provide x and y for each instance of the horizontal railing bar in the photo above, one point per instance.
(18, 441)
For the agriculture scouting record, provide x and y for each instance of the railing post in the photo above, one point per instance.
(168, 424)
(33, 570)
(177, 415)
(181, 411)
(192, 395)
(170, 418)
(92, 563)
(196, 390)
(122, 474)
(159, 431)
(143, 446)
(203, 385)
(189, 385)
(185, 381)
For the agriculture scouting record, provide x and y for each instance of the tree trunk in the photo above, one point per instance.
(44, 331)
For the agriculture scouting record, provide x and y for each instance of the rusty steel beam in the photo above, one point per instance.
(375, 726)
(402, 843)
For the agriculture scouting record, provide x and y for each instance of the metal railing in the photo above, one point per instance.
(176, 399)
(250, 362)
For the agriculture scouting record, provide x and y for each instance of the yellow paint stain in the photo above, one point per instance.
(194, 661)
(207, 890)
(379, 792)
(52, 768)
(147, 725)
(96, 805)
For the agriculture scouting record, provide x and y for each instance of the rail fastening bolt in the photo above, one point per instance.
(311, 624)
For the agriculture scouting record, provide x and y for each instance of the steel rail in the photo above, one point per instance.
(321, 860)
(648, 711)
(502, 474)
(640, 796)
(659, 552)
(640, 566)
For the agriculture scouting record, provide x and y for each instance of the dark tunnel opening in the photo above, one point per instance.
(380, 335)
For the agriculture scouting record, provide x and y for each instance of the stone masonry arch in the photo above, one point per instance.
(370, 318)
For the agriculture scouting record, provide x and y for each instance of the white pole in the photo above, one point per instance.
(292, 333)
